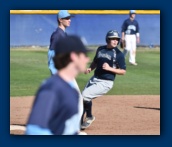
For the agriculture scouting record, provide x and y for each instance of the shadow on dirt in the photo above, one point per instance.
(147, 108)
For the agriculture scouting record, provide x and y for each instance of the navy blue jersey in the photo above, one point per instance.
(114, 57)
(55, 109)
(130, 27)
(59, 33)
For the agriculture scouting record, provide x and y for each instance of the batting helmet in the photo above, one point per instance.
(112, 34)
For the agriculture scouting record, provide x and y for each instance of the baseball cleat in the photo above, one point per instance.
(82, 133)
(88, 121)
(133, 63)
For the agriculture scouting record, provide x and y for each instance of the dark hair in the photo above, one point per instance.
(58, 21)
(61, 60)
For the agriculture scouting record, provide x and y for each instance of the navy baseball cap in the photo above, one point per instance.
(70, 44)
(63, 14)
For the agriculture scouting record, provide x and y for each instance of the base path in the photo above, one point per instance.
(115, 115)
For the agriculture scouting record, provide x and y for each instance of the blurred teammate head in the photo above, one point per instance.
(70, 53)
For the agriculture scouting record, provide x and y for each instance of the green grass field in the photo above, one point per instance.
(28, 68)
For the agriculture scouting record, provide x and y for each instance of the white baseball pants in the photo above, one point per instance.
(131, 47)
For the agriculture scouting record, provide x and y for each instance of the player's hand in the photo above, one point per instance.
(106, 66)
(88, 70)
(122, 39)
(138, 40)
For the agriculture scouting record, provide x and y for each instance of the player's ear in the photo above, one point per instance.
(73, 56)
(107, 41)
(59, 20)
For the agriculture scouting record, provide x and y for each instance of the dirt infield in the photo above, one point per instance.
(115, 115)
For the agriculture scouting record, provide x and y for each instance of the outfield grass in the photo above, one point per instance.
(28, 68)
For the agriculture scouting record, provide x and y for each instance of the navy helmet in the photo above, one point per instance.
(112, 34)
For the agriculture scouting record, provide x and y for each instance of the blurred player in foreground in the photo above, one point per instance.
(108, 62)
(131, 36)
(55, 108)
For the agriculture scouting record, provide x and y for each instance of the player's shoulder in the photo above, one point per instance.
(55, 83)
(119, 53)
(58, 32)
(101, 47)
(135, 21)
(126, 20)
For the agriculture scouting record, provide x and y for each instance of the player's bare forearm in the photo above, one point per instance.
(113, 70)
(93, 65)
(123, 36)
(117, 71)
(138, 39)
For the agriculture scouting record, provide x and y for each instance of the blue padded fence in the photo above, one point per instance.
(26, 30)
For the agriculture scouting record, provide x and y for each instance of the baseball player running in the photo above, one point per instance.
(108, 62)
(55, 109)
(130, 33)
(64, 20)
